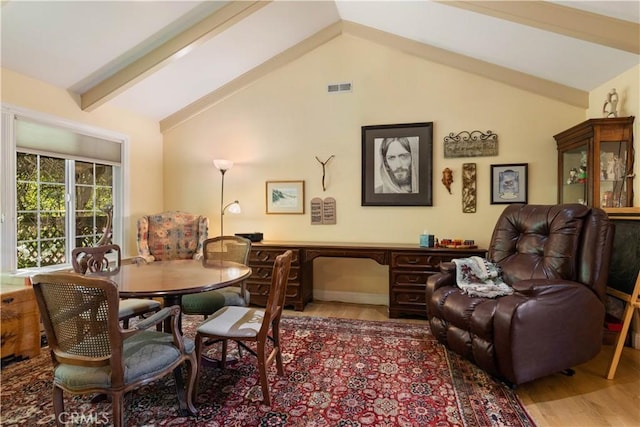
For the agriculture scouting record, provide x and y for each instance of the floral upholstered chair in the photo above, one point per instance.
(171, 235)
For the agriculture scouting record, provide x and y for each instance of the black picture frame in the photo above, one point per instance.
(509, 183)
(380, 187)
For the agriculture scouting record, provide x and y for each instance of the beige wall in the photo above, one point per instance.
(145, 140)
(627, 85)
(275, 128)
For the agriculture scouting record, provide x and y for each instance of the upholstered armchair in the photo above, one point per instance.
(171, 235)
(556, 260)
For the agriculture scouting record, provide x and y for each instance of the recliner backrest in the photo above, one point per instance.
(553, 242)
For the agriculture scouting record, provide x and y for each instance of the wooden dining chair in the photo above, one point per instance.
(215, 249)
(93, 354)
(95, 260)
(245, 324)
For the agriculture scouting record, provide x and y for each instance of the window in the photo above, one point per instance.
(67, 180)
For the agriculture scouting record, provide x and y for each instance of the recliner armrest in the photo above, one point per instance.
(542, 287)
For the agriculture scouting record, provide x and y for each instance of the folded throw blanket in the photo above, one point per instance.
(478, 277)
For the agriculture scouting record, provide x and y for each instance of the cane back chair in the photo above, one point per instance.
(91, 353)
(244, 324)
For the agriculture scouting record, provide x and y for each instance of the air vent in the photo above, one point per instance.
(338, 87)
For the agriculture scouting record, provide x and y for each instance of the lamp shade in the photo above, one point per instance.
(233, 207)
(223, 165)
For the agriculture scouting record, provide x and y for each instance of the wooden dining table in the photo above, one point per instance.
(170, 280)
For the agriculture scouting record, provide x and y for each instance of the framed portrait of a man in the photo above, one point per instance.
(397, 164)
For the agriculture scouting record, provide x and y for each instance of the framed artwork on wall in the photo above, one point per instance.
(397, 165)
(285, 197)
(509, 183)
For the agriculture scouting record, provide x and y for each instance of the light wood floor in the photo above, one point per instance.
(583, 400)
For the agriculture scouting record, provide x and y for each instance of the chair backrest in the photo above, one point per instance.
(80, 316)
(226, 248)
(171, 235)
(277, 291)
(96, 259)
(568, 242)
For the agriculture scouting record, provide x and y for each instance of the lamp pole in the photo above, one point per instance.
(222, 171)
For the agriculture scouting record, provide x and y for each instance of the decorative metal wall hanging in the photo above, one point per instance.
(471, 144)
(469, 188)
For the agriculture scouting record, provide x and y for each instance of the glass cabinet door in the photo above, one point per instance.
(574, 176)
(613, 174)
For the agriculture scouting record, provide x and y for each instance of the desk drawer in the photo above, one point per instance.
(425, 261)
(263, 274)
(260, 293)
(410, 278)
(268, 256)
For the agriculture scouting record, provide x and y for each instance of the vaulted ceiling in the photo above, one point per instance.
(169, 60)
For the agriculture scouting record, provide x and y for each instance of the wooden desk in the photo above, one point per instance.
(409, 267)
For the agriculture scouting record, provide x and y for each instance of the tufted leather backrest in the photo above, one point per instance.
(569, 242)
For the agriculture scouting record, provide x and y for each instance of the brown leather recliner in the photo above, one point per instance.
(556, 258)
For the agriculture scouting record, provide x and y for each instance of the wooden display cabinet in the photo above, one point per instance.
(595, 163)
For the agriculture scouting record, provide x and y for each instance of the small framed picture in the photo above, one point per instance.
(397, 164)
(285, 197)
(509, 183)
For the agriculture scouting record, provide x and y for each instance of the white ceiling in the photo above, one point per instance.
(76, 45)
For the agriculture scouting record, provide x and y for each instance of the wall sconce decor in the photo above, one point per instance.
(234, 207)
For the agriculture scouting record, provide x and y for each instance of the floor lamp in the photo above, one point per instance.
(234, 207)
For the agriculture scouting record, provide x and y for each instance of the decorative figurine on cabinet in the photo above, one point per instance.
(573, 176)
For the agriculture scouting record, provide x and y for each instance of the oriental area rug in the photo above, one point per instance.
(338, 372)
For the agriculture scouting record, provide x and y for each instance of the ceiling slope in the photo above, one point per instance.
(169, 60)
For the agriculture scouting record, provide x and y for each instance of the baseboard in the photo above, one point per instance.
(352, 297)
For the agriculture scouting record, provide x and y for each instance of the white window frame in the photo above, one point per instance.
(8, 218)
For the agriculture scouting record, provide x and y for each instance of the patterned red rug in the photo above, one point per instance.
(338, 372)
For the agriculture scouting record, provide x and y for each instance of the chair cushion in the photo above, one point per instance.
(144, 354)
(204, 303)
(233, 322)
(132, 306)
(207, 303)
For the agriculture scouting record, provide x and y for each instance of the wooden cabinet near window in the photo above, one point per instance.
(595, 163)
(20, 321)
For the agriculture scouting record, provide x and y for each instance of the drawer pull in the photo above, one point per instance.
(413, 298)
(413, 261)
(264, 275)
(8, 300)
(260, 258)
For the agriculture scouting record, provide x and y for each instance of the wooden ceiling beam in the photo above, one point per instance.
(213, 24)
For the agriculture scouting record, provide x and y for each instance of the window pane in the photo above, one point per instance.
(27, 196)
(104, 197)
(52, 169)
(84, 173)
(52, 197)
(52, 225)
(52, 252)
(27, 226)
(84, 224)
(84, 197)
(104, 175)
(27, 254)
(26, 167)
